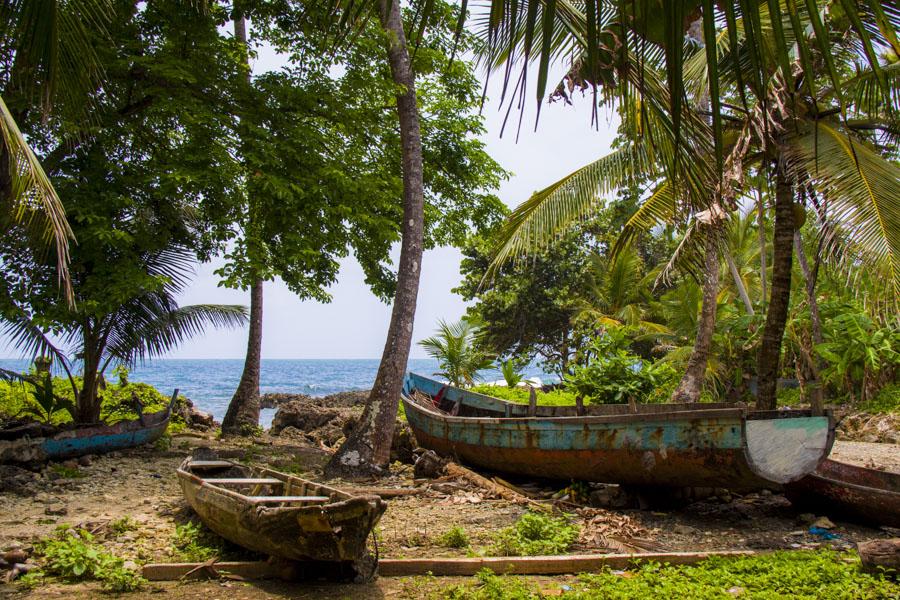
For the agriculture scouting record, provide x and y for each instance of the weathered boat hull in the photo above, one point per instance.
(334, 532)
(87, 440)
(849, 491)
(658, 445)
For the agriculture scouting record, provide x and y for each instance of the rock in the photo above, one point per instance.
(823, 523)
(685, 530)
(86, 460)
(806, 518)
(56, 509)
(70, 464)
(15, 556)
(130, 565)
(303, 417)
(428, 466)
(115, 454)
(16, 480)
(880, 555)
(198, 419)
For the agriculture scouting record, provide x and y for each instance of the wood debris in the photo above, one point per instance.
(613, 532)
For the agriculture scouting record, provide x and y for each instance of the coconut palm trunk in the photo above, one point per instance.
(242, 415)
(243, 411)
(779, 302)
(368, 447)
(691, 383)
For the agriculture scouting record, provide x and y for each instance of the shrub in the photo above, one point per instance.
(194, 543)
(535, 534)
(455, 537)
(71, 555)
(556, 397)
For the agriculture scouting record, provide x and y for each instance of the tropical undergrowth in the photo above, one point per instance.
(21, 400)
(535, 534)
(820, 575)
(71, 555)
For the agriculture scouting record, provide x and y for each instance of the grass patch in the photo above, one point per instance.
(534, 534)
(71, 555)
(194, 543)
(67, 472)
(825, 575)
(125, 524)
(519, 395)
(886, 401)
(455, 537)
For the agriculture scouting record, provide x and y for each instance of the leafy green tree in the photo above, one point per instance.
(454, 347)
(158, 143)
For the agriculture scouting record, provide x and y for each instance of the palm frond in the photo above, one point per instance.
(862, 191)
(33, 203)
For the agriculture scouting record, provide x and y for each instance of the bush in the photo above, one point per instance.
(556, 397)
(535, 534)
(71, 555)
(455, 537)
(614, 375)
(194, 543)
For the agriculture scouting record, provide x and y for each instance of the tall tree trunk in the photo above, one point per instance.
(816, 396)
(691, 383)
(87, 406)
(242, 416)
(761, 229)
(368, 447)
(779, 303)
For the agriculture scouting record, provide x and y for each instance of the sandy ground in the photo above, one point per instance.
(141, 484)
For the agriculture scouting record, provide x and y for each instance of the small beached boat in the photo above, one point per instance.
(32, 443)
(681, 445)
(850, 491)
(280, 515)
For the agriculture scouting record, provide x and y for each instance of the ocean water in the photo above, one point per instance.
(210, 383)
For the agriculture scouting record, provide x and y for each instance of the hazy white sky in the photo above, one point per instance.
(354, 324)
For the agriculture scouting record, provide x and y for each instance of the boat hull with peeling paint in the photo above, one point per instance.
(680, 445)
(849, 491)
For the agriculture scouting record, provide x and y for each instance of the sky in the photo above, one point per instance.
(354, 324)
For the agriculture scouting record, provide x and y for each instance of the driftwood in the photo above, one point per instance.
(880, 555)
(405, 567)
(387, 492)
(455, 470)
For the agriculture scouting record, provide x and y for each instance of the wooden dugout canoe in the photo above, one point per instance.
(681, 445)
(79, 441)
(849, 491)
(280, 515)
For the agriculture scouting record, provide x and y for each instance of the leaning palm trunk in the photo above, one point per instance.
(776, 317)
(242, 415)
(691, 383)
(368, 447)
(243, 411)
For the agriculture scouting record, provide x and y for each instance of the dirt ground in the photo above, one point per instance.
(141, 484)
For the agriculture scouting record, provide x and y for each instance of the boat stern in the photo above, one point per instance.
(782, 447)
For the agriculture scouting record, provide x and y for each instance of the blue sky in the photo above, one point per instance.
(354, 324)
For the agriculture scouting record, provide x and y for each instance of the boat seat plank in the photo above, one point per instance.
(277, 499)
(209, 464)
(242, 480)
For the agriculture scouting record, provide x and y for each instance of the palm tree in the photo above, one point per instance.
(143, 327)
(457, 354)
(368, 447)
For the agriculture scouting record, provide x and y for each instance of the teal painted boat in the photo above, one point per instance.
(680, 445)
(93, 439)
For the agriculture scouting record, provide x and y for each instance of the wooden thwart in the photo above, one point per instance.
(276, 499)
(405, 567)
(242, 480)
(210, 464)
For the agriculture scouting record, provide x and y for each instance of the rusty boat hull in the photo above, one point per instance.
(850, 491)
(79, 441)
(678, 445)
(334, 530)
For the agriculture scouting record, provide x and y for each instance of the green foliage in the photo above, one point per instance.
(456, 352)
(555, 397)
(819, 575)
(510, 375)
(455, 537)
(120, 526)
(887, 400)
(67, 472)
(861, 355)
(534, 534)
(194, 543)
(72, 555)
(44, 404)
(614, 375)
